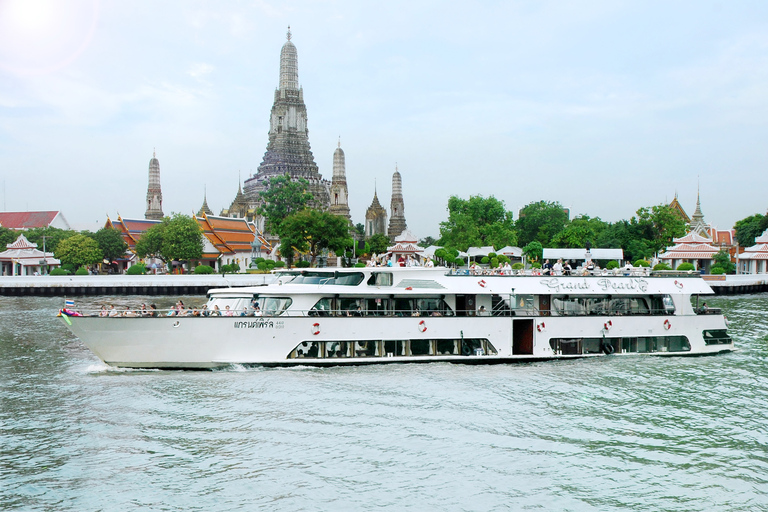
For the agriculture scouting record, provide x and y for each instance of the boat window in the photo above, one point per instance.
(640, 344)
(380, 279)
(669, 305)
(433, 307)
(330, 278)
(274, 306)
(717, 337)
(323, 307)
(523, 304)
(235, 303)
(569, 305)
(393, 348)
(378, 307)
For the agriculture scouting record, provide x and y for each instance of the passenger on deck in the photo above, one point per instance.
(103, 311)
(112, 311)
(228, 311)
(216, 311)
(153, 310)
(204, 310)
(482, 311)
(557, 268)
(567, 269)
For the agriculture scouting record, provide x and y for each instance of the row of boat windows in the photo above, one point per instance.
(640, 344)
(622, 305)
(393, 348)
(339, 279)
(380, 306)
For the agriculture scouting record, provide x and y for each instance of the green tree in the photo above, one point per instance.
(379, 243)
(150, 245)
(749, 228)
(540, 222)
(111, 243)
(579, 232)
(8, 236)
(52, 237)
(659, 225)
(476, 222)
(723, 260)
(176, 238)
(78, 250)
(427, 241)
(360, 229)
(534, 251)
(312, 231)
(283, 197)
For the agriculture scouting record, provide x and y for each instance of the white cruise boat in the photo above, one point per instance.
(324, 317)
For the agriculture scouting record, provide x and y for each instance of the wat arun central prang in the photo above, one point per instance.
(288, 148)
(288, 152)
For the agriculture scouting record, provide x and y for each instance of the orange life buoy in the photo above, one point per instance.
(540, 327)
(607, 325)
(315, 328)
(481, 283)
(422, 326)
(667, 324)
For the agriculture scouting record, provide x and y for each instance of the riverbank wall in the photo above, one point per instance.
(738, 284)
(72, 286)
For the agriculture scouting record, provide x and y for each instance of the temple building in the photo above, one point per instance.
(205, 209)
(240, 207)
(23, 258)
(154, 194)
(288, 150)
(339, 201)
(396, 207)
(678, 209)
(754, 259)
(375, 218)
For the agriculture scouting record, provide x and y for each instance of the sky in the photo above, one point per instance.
(604, 106)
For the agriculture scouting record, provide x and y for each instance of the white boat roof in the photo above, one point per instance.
(420, 281)
(581, 254)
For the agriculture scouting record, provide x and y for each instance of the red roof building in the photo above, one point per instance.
(754, 260)
(692, 248)
(31, 220)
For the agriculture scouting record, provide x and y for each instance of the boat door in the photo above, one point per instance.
(522, 337)
(465, 305)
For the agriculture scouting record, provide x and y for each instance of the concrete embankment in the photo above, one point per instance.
(738, 284)
(71, 286)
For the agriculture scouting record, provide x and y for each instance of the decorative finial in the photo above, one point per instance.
(339, 140)
(154, 153)
(289, 32)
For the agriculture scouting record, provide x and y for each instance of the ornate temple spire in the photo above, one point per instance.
(288, 150)
(697, 219)
(205, 209)
(289, 67)
(154, 193)
(375, 216)
(339, 193)
(397, 207)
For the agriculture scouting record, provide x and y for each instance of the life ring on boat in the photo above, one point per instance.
(678, 284)
(607, 325)
(466, 350)
(481, 283)
(667, 324)
(607, 348)
(315, 328)
(422, 326)
(541, 327)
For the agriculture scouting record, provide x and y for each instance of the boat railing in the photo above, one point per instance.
(578, 272)
(390, 313)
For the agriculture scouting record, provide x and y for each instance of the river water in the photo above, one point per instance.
(631, 433)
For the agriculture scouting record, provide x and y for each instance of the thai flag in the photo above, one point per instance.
(69, 303)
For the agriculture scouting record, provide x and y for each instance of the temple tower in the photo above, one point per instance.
(339, 197)
(288, 150)
(154, 194)
(396, 207)
(697, 219)
(205, 209)
(375, 217)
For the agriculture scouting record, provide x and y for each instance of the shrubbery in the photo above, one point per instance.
(459, 262)
(662, 266)
(517, 266)
(136, 270)
(302, 264)
(685, 266)
(203, 269)
(612, 265)
(59, 272)
(717, 270)
(642, 263)
(82, 271)
(485, 260)
(359, 264)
